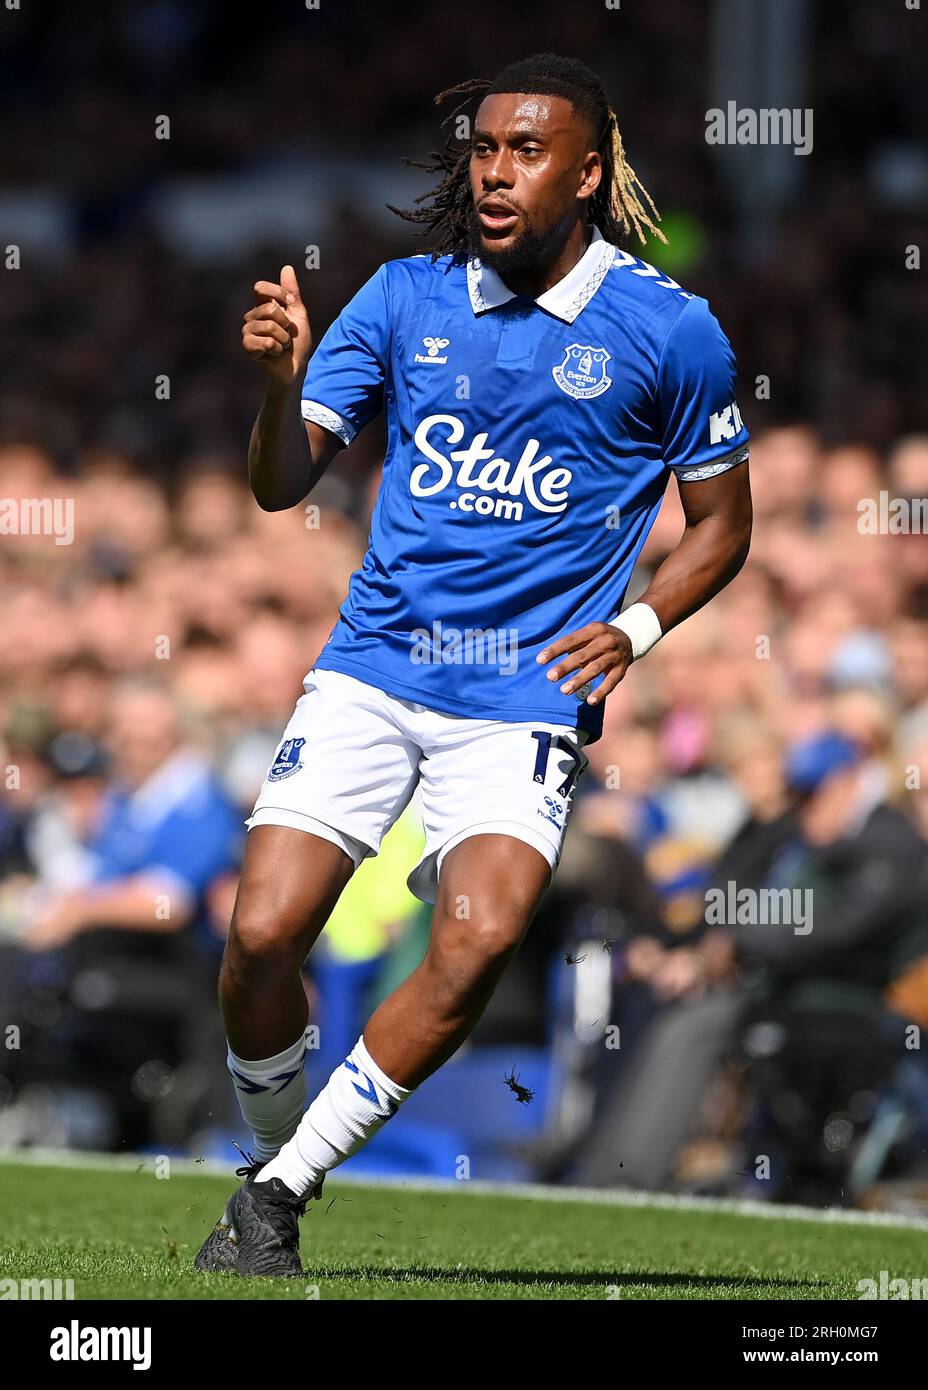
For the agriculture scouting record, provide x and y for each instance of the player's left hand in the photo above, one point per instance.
(589, 652)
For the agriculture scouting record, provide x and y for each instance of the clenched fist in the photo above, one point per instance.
(276, 331)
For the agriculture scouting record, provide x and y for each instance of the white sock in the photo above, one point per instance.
(271, 1095)
(357, 1100)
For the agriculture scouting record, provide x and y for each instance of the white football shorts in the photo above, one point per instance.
(352, 757)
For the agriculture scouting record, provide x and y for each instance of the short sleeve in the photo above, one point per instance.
(702, 432)
(343, 388)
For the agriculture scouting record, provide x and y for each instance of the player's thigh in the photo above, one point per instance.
(342, 774)
(344, 770)
(489, 889)
(290, 882)
(513, 781)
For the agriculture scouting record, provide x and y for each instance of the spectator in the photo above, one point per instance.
(166, 831)
(861, 867)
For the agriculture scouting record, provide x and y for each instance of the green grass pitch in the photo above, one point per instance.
(122, 1233)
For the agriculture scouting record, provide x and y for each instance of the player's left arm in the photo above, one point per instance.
(704, 443)
(714, 546)
(711, 551)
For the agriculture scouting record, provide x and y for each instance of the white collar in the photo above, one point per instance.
(565, 299)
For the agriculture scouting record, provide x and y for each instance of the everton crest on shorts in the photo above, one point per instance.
(287, 761)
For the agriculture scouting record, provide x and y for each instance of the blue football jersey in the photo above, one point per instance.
(529, 443)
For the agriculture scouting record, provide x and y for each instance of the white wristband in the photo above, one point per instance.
(641, 626)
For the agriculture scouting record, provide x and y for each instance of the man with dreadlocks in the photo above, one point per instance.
(540, 383)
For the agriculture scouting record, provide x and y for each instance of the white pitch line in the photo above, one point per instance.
(532, 1192)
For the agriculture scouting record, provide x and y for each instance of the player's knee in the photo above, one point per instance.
(263, 938)
(462, 955)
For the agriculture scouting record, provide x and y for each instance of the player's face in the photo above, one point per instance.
(531, 167)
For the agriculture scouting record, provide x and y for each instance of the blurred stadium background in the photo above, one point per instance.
(148, 665)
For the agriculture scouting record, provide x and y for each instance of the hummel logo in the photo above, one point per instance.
(434, 346)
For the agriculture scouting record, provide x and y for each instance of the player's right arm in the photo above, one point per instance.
(276, 333)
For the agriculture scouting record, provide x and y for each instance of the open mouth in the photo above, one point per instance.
(497, 217)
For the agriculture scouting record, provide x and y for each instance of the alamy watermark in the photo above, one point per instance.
(84, 1343)
(469, 646)
(765, 125)
(892, 1289)
(892, 516)
(38, 516)
(36, 1290)
(732, 906)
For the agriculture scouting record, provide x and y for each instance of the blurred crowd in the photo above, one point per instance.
(152, 652)
(106, 308)
(778, 738)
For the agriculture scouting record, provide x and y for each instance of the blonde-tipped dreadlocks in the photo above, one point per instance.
(621, 204)
(624, 188)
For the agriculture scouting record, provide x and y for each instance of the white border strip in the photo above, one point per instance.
(329, 420)
(533, 1192)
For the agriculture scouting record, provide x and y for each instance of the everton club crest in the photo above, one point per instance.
(287, 761)
(582, 374)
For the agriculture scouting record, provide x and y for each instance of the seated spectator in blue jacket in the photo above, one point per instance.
(166, 831)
